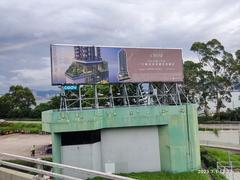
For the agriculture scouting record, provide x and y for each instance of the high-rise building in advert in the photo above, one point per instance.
(88, 67)
(122, 61)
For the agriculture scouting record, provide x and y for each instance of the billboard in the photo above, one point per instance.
(78, 64)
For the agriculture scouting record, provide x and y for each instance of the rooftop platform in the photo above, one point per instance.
(92, 119)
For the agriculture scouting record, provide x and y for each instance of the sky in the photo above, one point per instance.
(28, 28)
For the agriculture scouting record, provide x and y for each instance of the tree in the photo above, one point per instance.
(220, 68)
(37, 111)
(196, 81)
(6, 104)
(54, 103)
(192, 72)
(17, 102)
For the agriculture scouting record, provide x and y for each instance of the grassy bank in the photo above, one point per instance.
(37, 120)
(210, 157)
(164, 175)
(20, 127)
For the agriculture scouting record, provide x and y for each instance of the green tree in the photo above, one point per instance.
(54, 103)
(220, 71)
(17, 102)
(196, 81)
(6, 104)
(192, 73)
(37, 111)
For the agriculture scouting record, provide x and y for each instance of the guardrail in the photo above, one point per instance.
(56, 165)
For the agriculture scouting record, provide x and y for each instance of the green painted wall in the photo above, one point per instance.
(179, 144)
(56, 150)
(178, 129)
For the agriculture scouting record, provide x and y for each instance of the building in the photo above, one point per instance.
(122, 62)
(88, 66)
(126, 139)
(87, 53)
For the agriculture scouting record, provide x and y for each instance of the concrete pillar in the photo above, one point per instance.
(179, 144)
(56, 150)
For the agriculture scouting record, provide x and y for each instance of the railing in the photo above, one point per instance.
(229, 168)
(55, 165)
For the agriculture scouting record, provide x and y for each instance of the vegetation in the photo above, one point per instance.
(214, 76)
(52, 104)
(210, 157)
(229, 115)
(17, 102)
(166, 176)
(19, 127)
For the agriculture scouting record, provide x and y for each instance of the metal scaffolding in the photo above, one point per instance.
(124, 94)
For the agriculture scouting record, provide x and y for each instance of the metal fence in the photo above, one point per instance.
(40, 172)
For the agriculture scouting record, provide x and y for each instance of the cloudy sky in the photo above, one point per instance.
(28, 27)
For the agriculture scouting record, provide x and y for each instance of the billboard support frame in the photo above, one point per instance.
(161, 94)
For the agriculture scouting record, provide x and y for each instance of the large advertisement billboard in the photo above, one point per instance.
(77, 64)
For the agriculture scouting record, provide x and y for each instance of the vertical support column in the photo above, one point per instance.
(80, 97)
(194, 146)
(63, 102)
(178, 95)
(155, 93)
(149, 99)
(179, 143)
(96, 96)
(111, 95)
(56, 150)
(126, 95)
(138, 94)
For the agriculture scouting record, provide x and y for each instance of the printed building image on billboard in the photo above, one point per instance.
(88, 66)
(76, 64)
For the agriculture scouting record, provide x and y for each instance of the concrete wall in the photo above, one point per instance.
(133, 149)
(85, 156)
(9, 174)
(177, 138)
(224, 136)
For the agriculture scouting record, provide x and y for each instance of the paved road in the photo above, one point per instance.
(220, 126)
(20, 144)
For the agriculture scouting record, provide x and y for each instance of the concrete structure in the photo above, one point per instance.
(126, 139)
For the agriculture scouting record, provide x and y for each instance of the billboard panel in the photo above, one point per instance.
(77, 64)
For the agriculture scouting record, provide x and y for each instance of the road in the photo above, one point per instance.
(220, 126)
(20, 144)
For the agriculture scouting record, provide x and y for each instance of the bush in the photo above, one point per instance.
(229, 115)
(209, 160)
(8, 128)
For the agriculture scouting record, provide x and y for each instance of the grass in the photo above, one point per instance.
(20, 127)
(31, 120)
(168, 176)
(17, 121)
(210, 156)
(195, 175)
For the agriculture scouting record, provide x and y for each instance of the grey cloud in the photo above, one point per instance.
(28, 27)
